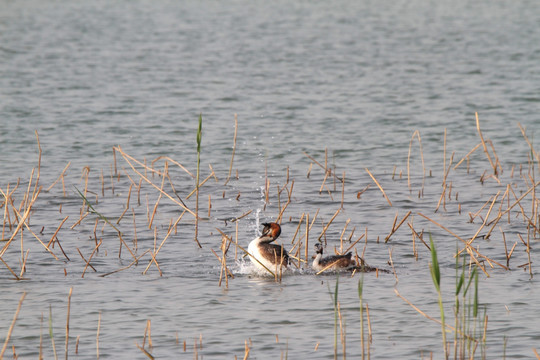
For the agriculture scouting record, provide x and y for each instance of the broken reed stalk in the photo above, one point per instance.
(10, 330)
(467, 156)
(90, 258)
(159, 198)
(130, 159)
(494, 166)
(328, 225)
(84, 259)
(194, 191)
(289, 193)
(395, 228)
(484, 222)
(169, 232)
(417, 134)
(57, 230)
(10, 269)
(447, 326)
(501, 214)
(233, 149)
(324, 167)
(379, 185)
(23, 222)
(167, 158)
(470, 250)
(60, 177)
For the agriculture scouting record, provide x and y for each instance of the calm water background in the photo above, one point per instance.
(354, 77)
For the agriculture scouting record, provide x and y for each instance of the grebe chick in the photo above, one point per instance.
(332, 263)
(270, 255)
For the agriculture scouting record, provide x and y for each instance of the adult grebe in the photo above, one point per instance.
(332, 263)
(270, 255)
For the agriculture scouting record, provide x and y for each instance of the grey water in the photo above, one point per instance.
(350, 79)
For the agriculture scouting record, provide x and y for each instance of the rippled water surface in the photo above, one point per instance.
(339, 84)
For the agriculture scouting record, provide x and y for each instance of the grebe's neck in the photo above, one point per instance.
(317, 260)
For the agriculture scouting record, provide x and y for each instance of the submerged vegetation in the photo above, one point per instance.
(516, 203)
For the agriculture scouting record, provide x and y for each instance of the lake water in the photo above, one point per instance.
(347, 83)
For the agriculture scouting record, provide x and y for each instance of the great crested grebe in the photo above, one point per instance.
(332, 263)
(270, 255)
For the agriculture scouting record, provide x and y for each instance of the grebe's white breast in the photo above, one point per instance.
(273, 257)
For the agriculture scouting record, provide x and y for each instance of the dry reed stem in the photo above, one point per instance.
(417, 134)
(163, 241)
(327, 225)
(469, 248)
(484, 222)
(194, 191)
(473, 216)
(280, 216)
(128, 158)
(246, 349)
(298, 227)
(500, 215)
(324, 167)
(7, 198)
(158, 199)
(494, 166)
(126, 267)
(60, 177)
(10, 270)
(497, 162)
(448, 327)
(90, 258)
(468, 154)
(67, 321)
(10, 330)
(56, 232)
(23, 222)
(419, 236)
(84, 259)
(223, 269)
(326, 173)
(23, 266)
(144, 351)
(174, 162)
(395, 228)
(379, 185)
(26, 197)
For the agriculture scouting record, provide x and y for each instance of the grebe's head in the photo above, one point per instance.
(318, 248)
(271, 230)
